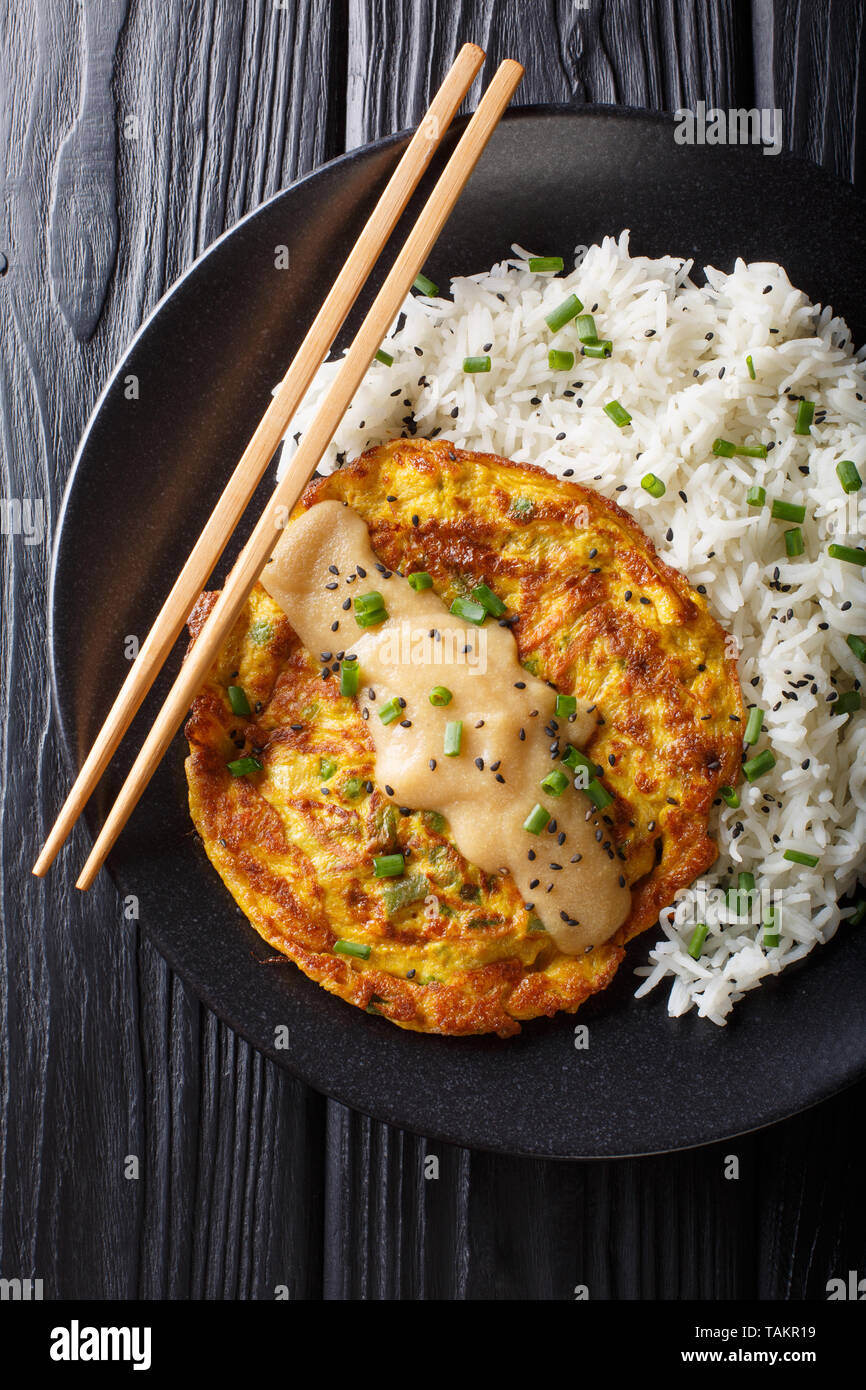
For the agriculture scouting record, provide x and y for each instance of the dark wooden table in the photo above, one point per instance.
(134, 133)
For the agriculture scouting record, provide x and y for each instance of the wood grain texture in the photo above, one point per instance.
(132, 134)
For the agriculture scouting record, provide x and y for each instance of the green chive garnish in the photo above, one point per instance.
(620, 416)
(425, 286)
(574, 759)
(723, 448)
(849, 476)
(476, 364)
(539, 264)
(558, 360)
(385, 358)
(858, 646)
(371, 619)
(848, 703)
(349, 677)
(537, 820)
(858, 916)
(797, 856)
(242, 767)
(388, 865)
(391, 710)
(370, 609)
(699, 936)
(751, 366)
(754, 725)
(805, 416)
(453, 737)
(238, 700)
(440, 695)
(555, 782)
(598, 795)
(730, 796)
(563, 314)
(756, 496)
(602, 348)
(586, 330)
(794, 544)
(566, 705)
(756, 767)
(352, 948)
(653, 485)
(492, 602)
(420, 580)
(746, 882)
(787, 511)
(470, 610)
(770, 930)
(848, 553)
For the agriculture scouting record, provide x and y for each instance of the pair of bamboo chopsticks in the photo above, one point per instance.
(264, 442)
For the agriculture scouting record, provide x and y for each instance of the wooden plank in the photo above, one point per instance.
(136, 134)
(818, 58)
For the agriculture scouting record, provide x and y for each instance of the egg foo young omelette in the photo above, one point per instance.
(633, 694)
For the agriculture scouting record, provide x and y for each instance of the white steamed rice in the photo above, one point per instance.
(679, 368)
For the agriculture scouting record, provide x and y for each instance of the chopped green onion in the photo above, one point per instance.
(566, 705)
(848, 553)
(440, 695)
(537, 820)
(538, 264)
(238, 700)
(616, 412)
(770, 930)
(425, 286)
(848, 703)
(470, 610)
(420, 580)
(353, 787)
(241, 767)
(723, 448)
(366, 603)
(653, 485)
(349, 678)
(586, 329)
(753, 725)
(858, 916)
(408, 890)
(730, 796)
(575, 759)
(559, 360)
(352, 948)
(555, 782)
(598, 795)
(391, 710)
(603, 348)
(858, 646)
(794, 544)
(327, 768)
(388, 865)
(371, 618)
(787, 511)
(756, 496)
(796, 856)
(476, 364)
(745, 882)
(385, 358)
(563, 313)
(751, 366)
(756, 767)
(492, 602)
(453, 737)
(699, 936)
(805, 416)
(849, 476)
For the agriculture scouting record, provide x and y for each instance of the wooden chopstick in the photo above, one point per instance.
(319, 433)
(254, 461)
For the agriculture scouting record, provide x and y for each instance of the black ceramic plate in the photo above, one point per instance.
(146, 477)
